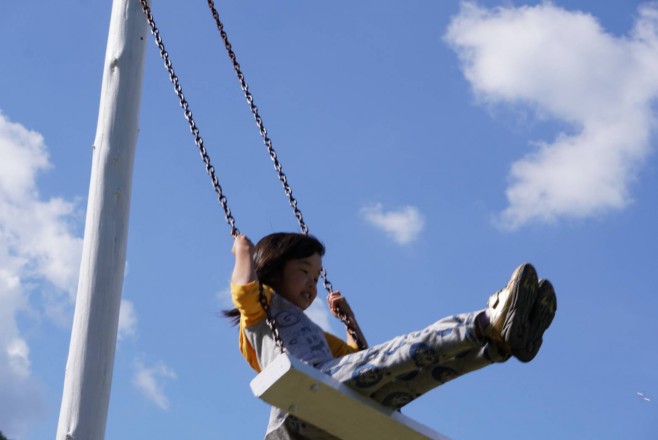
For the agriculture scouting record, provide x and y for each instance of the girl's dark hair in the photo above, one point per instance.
(271, 254)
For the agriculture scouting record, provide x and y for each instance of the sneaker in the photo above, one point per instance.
(508, 311)
(541, 316)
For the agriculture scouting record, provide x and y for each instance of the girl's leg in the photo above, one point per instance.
(411, 362)
(402, 369)
(406, 388)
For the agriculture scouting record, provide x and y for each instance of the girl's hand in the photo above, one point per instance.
(338, 303)
(242, 245)
(244, 271)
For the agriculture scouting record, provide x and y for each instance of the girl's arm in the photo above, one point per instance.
(338, 303)
(244, 271)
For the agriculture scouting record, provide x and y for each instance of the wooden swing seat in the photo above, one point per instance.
(316, 398)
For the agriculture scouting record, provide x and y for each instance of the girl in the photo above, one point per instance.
(288, 266)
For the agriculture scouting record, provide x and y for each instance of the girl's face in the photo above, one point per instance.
(299, 280)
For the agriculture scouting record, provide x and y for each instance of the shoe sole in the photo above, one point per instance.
(516, 328)
(541, 317)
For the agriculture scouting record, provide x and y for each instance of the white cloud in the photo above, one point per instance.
(39, 256)
(127, 320)
(148, 380)
(562, 65)
(403, 225)
(18, 354)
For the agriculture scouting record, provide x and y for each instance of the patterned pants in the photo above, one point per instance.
(400, 370)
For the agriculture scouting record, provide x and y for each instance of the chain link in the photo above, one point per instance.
(198, 140)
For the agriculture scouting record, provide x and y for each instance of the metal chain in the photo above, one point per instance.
(210, 169)
(259, 121)
(271, 323)
(277, 164)
(198, 140)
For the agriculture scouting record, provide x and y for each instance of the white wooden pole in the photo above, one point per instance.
(86, 395)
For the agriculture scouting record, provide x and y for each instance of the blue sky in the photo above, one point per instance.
(433, 147)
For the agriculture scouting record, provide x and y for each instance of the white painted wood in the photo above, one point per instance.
(86, 395)
(312, 396)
